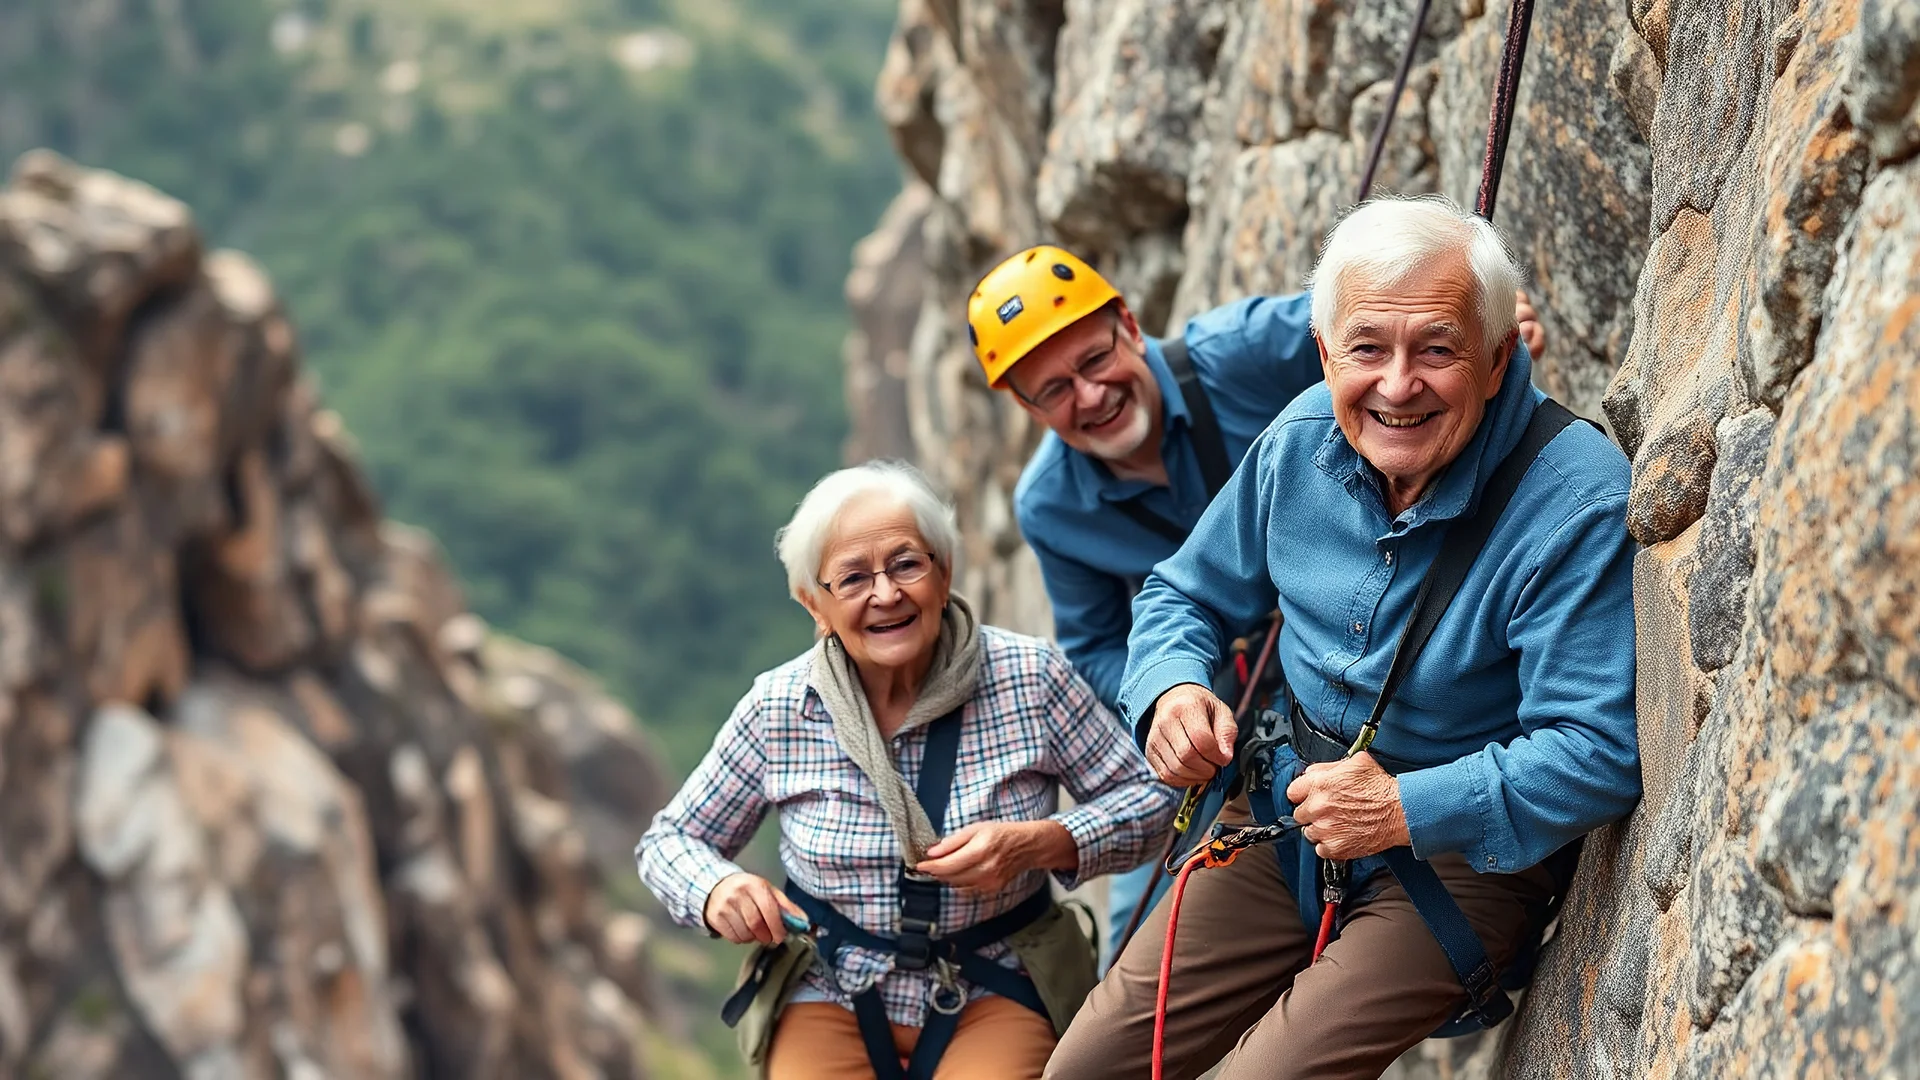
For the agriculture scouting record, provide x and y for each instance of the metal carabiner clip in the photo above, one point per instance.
(945, 983)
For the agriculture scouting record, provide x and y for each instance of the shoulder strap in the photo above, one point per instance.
(937, 766)
(1207, 441)
(1151, 521)
(1458, 550)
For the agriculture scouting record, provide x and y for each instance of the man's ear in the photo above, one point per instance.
(1321, 344)
(1501, 358)
(1128, 324)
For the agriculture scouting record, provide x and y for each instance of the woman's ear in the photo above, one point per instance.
(820, 627)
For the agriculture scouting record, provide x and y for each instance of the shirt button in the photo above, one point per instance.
(1492, 862)
(1388, 557)
(1359, 627)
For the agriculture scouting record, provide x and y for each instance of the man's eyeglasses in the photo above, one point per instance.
(903, 569)
(1055, 392)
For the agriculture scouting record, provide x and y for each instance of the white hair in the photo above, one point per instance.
(1388, 239)
(802, 541)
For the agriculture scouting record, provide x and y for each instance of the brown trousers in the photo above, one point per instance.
(997, 1039)
(1241, 982)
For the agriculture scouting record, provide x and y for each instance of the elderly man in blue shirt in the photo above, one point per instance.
(1142, 432)
(1511, 736)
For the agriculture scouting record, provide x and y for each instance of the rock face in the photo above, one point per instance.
(1720, 207)
(272, 804)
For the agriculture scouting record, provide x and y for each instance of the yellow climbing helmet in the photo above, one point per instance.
(1028, 299)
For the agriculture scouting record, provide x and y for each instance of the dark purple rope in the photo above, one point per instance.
(1505, 93)
(1393, 102)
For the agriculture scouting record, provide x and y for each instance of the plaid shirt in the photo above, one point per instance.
(1032, 726)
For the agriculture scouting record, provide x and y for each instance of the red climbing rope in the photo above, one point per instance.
(1506, 92)
(1166, 965)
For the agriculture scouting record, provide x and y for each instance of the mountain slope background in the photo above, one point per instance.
(571, 272)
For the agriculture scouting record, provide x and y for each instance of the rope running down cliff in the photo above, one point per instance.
(1506, 92)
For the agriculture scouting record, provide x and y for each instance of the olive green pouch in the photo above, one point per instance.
(1061, 957)
(768, 978)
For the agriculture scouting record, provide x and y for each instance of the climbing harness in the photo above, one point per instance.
(920, 945)
(1487, 1001)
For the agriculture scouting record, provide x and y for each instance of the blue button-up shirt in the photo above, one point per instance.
(1252, 357)
(1519, 715)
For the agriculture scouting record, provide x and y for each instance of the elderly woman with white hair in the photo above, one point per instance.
(916, 759)
(1450, 557)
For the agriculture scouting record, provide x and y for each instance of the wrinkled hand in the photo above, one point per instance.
(1191, 737)
(988, 854)
(745, 908)
(1349, 809)
(1531, 331)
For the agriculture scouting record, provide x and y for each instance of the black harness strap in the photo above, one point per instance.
(1487, 1003)
(1208, 443)
(919, 943)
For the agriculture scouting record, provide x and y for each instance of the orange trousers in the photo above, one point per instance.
(997, 1040)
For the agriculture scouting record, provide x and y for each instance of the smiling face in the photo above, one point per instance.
(1111, 409)
(1411, 374)
(894, 625)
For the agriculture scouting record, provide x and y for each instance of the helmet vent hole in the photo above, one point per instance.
(992, 355)
(1058, 300)
(1063, 271)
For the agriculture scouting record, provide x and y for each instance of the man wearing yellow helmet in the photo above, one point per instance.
(1142, 433)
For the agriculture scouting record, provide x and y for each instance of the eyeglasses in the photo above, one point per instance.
(903, 569)
(1051, 396)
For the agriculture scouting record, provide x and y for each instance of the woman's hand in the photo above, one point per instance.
(986, 855)
(745, 908)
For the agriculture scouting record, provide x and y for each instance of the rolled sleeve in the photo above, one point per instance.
(691, 844)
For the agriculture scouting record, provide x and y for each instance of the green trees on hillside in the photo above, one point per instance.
(582, 315)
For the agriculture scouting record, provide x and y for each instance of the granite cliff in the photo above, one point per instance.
(1719, 204)
(272, 802)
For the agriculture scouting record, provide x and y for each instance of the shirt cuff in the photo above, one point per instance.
(1142, 690)
(1445, 810)
(702, 880)
(1089, 828)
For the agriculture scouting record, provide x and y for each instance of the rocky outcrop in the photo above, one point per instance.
(1718, 206)
(272, 803)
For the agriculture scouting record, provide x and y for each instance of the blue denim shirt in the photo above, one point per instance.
(1519, 715)
(1252, 357)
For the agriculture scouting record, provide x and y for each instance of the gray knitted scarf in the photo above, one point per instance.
(950, 682)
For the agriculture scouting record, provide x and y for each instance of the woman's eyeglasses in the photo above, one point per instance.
(903, 569)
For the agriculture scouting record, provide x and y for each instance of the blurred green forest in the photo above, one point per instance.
(570, 270)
